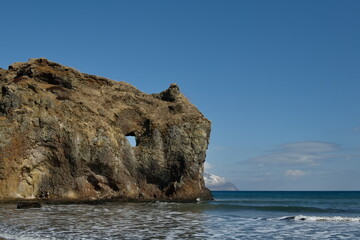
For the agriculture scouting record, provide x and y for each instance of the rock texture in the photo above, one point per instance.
(63, 137)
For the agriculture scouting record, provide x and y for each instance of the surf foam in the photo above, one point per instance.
(319, 218)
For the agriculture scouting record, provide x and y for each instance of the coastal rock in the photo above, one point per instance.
(25, 205)
(63, 137)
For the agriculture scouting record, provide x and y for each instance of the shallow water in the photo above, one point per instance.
(239, 215)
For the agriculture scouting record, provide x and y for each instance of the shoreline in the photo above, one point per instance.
(97, 201)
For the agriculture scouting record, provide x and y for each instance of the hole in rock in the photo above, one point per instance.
(131, 140)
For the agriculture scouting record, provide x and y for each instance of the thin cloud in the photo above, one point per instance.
(294, 173)
(300, 162)
(287, 158)
(208, 166)
(301, 153)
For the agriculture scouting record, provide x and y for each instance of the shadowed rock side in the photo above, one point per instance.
(63, 137)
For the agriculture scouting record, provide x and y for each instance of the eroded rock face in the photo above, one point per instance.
(63, 137)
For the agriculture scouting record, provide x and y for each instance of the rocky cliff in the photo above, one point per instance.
(63, 137)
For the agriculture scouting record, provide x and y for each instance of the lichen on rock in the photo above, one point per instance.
(63, 137)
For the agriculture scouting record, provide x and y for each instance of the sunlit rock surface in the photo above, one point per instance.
(63, 137)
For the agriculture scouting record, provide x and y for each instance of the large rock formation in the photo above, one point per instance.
(63, 137)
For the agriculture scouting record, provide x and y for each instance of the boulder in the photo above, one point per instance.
(25, 205)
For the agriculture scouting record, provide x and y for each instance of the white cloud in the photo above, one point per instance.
(301, 153)
(208, 166)
(287, 158)
(312, 164)
(294, 173)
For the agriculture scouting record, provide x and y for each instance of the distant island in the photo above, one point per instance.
(63, 138)
(217, 183)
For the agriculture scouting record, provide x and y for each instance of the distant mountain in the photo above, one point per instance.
(217, 183)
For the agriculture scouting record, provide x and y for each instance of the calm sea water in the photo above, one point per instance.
(232, 215)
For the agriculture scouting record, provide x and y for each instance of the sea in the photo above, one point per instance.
(231, 215)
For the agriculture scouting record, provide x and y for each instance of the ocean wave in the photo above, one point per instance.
(318, 218)
(274, 208)
(17, 237)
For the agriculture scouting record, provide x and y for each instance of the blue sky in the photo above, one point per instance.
(280, 80)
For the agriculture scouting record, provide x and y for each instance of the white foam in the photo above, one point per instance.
(326, 219)
(164, 221)
(11, 236)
